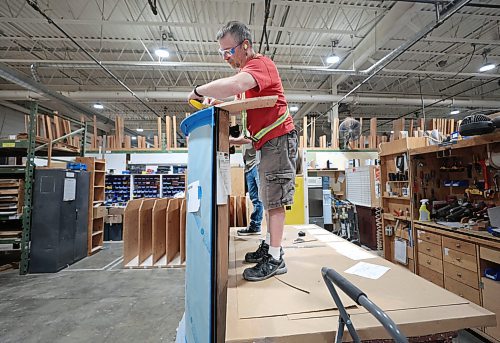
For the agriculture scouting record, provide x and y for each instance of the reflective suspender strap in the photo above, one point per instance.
(258, 136)
(278, 122)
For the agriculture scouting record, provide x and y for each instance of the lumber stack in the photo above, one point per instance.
(154, 233)
(164, 139)
(11, 197)
(49, 128)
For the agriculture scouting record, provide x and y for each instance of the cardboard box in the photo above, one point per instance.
(114, 219)
(115, 210)
(99, 212)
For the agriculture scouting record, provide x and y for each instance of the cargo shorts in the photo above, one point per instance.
(278, 160)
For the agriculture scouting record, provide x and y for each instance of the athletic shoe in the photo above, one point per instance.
(266, 268)
(257, 255)
(248, 231)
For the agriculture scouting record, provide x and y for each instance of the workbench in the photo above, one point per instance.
(296, 307)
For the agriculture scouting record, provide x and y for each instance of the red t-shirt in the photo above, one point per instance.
(268, 81)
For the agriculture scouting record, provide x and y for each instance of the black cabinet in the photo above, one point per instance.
(59, 219)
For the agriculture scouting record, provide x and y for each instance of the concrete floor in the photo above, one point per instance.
(93, 300)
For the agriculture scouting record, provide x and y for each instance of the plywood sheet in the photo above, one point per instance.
(173, 229)
(232, 211)
(159, 229)
(146, 229)
(131, 230)
(182, 230)
(248, 104)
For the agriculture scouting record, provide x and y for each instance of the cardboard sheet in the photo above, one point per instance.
(303, 283)
(182, 227)
(429, 309)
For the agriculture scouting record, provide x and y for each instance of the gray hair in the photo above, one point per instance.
(236, 29)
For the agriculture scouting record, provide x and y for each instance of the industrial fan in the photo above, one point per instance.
(349, 131)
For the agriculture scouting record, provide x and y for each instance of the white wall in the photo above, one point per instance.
(11, 122)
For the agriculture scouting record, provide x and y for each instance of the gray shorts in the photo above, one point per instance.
(278, 159)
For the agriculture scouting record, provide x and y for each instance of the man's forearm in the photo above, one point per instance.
(239, 141)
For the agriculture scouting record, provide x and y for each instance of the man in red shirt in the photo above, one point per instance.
(272, 132)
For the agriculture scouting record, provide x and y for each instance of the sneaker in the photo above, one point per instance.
(248, 231)
(266, 268)
(257, 255)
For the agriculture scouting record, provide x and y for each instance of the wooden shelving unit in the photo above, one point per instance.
(454, 258)
(97, 169)
(398, 209)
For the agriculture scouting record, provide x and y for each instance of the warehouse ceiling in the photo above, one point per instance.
(441, 70)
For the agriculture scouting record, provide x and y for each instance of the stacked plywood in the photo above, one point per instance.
(154, 233)
(11, 196)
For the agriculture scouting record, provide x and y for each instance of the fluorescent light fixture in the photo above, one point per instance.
(162, 53)
(332, 59)
(455, 112)
(98, 106)
(134, 138)
(487, 66)
(139, 129)
(294, 108)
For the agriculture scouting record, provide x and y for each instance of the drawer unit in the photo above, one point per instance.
(490, 301)
(429, 237)
(462, 275)
(431, 275)
(458, 245)
(489, 254)
(430, 249)
(430, 262)
(460, 259)
(462, 290)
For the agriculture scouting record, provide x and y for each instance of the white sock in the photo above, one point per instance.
(268, 238)
(275, 252)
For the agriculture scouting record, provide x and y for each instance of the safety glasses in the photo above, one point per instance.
(230, 51)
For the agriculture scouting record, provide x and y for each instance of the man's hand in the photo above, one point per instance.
(239, 141)
(195, 97)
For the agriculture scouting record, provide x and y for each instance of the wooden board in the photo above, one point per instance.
(232, 211)
(182, 230)
(168, 132)
(131, 230)
(239, 212)
(243, 206)
(158, 123)
(174, 131)
(173, 229)
(237, 106)
(222, 243)
(159, 221)
(146, 229)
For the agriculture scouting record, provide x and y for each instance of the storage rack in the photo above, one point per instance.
(173, 184)
(146, 186)
(117, 189)
(97, 170)
(27, 148)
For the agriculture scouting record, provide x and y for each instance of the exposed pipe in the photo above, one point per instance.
(37, 90)
(221, 67)
(447, 13)
(291, 97)
(34, 5)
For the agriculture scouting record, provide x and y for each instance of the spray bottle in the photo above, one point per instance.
(424, 214)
